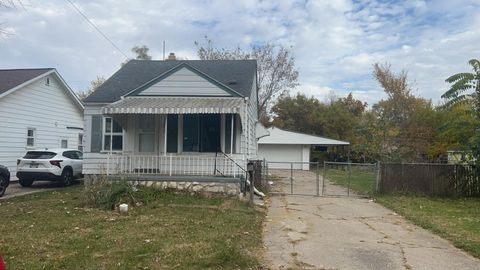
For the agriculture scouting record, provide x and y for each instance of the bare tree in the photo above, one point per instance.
(141, 52)
(276, 72)
(9, 4)
(93, 86)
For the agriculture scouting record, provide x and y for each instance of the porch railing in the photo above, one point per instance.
(197, 165)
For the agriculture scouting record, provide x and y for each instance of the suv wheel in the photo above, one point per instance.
(66, 178)
(25, 182)
(3, 185)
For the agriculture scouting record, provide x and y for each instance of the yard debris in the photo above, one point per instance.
(123, 208)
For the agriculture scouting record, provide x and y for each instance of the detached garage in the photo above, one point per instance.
(282, 147)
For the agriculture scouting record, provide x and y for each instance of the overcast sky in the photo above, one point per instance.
(335, 42)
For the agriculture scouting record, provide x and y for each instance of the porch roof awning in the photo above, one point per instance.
(174, 105)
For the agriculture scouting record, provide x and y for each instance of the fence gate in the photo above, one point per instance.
(299, 178)
(349, 179)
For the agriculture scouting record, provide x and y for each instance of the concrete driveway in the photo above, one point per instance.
(306, 232)
(14, 189)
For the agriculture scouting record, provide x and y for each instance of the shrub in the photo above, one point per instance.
(104, 194)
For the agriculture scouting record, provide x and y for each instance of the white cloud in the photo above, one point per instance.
(335, 42)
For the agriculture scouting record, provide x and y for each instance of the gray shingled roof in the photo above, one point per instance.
(10, 78)
(137, 72)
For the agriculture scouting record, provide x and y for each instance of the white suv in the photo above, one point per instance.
(61, 165)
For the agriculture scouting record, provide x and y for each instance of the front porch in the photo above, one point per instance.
(171, 137)
(218, 165)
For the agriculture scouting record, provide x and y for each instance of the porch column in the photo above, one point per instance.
(231, 134)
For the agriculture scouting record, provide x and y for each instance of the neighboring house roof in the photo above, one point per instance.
(237, 75)
(280, 136)
(10, 78)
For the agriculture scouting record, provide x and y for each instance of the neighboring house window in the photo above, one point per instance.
(146, 136)
(80, 142)
(112, 135)
(31, 134)
(64, 143)
(47, 81)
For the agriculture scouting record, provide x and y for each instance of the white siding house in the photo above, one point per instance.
(166, 119)
(37, 110)
(283, 149)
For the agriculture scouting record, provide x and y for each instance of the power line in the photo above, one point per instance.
(96, 28)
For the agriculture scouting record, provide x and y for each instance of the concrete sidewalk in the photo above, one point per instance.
(306, 232)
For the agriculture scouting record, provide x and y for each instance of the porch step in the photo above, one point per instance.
(179, 178)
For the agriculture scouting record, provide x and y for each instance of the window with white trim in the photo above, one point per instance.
(31, 134)
(112, 135)
(80, 142)
(64, 143)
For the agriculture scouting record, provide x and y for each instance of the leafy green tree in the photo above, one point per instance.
(406, 124)
(465, 87)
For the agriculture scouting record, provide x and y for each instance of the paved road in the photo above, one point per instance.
(305, 232)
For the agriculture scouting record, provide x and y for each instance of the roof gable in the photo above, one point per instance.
(11, 78)
(238, 75)
(183, 80)
(23, 77)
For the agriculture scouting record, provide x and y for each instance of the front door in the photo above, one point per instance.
(201, 133)
(210, 133)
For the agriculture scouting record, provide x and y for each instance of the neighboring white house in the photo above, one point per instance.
(280, 148)
(173, 118)
(37, 110)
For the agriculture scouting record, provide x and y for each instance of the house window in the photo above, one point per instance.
(47, 81)
(64, 143)
(172, 133)
(80, 142)
(201, 133)
(146, 136)
(112, 135)
(31, 134)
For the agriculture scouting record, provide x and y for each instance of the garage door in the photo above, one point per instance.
(281, 153)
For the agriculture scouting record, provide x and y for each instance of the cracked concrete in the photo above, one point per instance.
(306, 232)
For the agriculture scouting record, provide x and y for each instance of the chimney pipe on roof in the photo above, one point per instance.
(171, 56)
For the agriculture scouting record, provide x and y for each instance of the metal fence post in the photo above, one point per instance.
(291, 177)
(318, 178)
(252, 185)
(349, 177)
(324, 177)
(377, 180)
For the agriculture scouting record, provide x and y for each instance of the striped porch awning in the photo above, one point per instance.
(175, 105)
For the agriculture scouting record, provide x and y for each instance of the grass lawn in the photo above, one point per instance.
(457, 220)
(52, 230)
(362, 180)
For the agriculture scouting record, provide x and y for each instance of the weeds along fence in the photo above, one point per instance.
(430, 178)
(355, 178)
